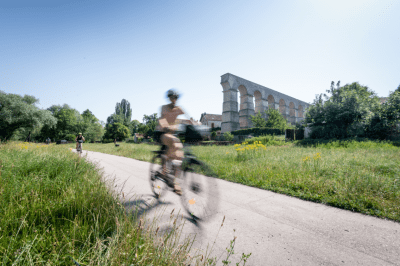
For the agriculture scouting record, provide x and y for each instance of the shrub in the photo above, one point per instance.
(228, 136)
(213, 134)
(70, 137)
(215, 128)
(258, 131)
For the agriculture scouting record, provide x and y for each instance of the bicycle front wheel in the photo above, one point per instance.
(200, 195)
(157, 183)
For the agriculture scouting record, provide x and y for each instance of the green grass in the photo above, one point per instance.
(54, 206)
(361, 176)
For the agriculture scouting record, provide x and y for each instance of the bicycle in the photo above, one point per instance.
(79, 149)
(199, 188)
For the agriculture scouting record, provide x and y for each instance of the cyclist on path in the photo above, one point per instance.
(79, 137)
(168, 124)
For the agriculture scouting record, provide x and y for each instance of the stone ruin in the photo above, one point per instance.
(254, 98)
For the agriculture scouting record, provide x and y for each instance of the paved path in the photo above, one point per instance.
(276, 229)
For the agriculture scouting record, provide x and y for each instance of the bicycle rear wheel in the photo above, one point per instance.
(157, 183)
(200, 196)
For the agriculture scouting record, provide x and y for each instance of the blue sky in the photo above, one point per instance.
(91, 54)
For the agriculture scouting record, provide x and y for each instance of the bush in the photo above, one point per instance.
(70, 137)
(215, 129)
(228, 136)
(107, 141)
(213, 134)
(258, 131)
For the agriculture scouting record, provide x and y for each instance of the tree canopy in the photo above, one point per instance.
(122, 115)
(274, 120)
(19, 113)
(344, 112)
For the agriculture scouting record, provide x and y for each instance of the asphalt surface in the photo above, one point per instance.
(276, 229)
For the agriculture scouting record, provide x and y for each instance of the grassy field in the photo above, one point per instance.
(358, 176)
(55, 208)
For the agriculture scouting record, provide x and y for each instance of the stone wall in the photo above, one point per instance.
(254, 98)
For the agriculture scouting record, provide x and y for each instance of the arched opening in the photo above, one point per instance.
(271, 102)
(282, 107)
(300, 111)
(244, 104)
(258, 102)
(243, 96)
(292, 113)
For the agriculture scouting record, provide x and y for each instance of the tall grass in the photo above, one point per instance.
(55, 209)
(362, 176)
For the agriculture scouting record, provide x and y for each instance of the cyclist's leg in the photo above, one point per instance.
(174, 152)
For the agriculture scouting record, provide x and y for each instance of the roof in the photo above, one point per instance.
(188, 122)
(211, 117)
(383, 99)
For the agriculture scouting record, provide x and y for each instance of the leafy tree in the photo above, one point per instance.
(122, 115)
(116, 131)
(134, 126)
(20, 114)
(384, 122)
(258, 120)
(149, 124)
(123, 110)
(274, 120)
(69, 121)
(93, 129)
(89, 117)
(344, 112)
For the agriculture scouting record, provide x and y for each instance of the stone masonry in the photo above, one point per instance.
(254, 98)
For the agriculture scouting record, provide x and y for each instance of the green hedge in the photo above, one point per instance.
(257, 131)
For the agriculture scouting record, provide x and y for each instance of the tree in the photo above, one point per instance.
(93, 129)
(383, 124)
(149, 124)
(19, 113)
(116, 131)
(123, 110)
(398, 89)
(275, 119)
(258, 120)
(134, 126)
(344, 112)
(69, 121)
(89, 117)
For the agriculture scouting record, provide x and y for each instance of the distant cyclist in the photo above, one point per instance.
(78, 138)
(167, 124)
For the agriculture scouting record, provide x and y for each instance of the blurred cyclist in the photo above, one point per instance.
(79, 137)
(167, 124)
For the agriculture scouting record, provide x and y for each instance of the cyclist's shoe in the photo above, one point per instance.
(177, 189)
